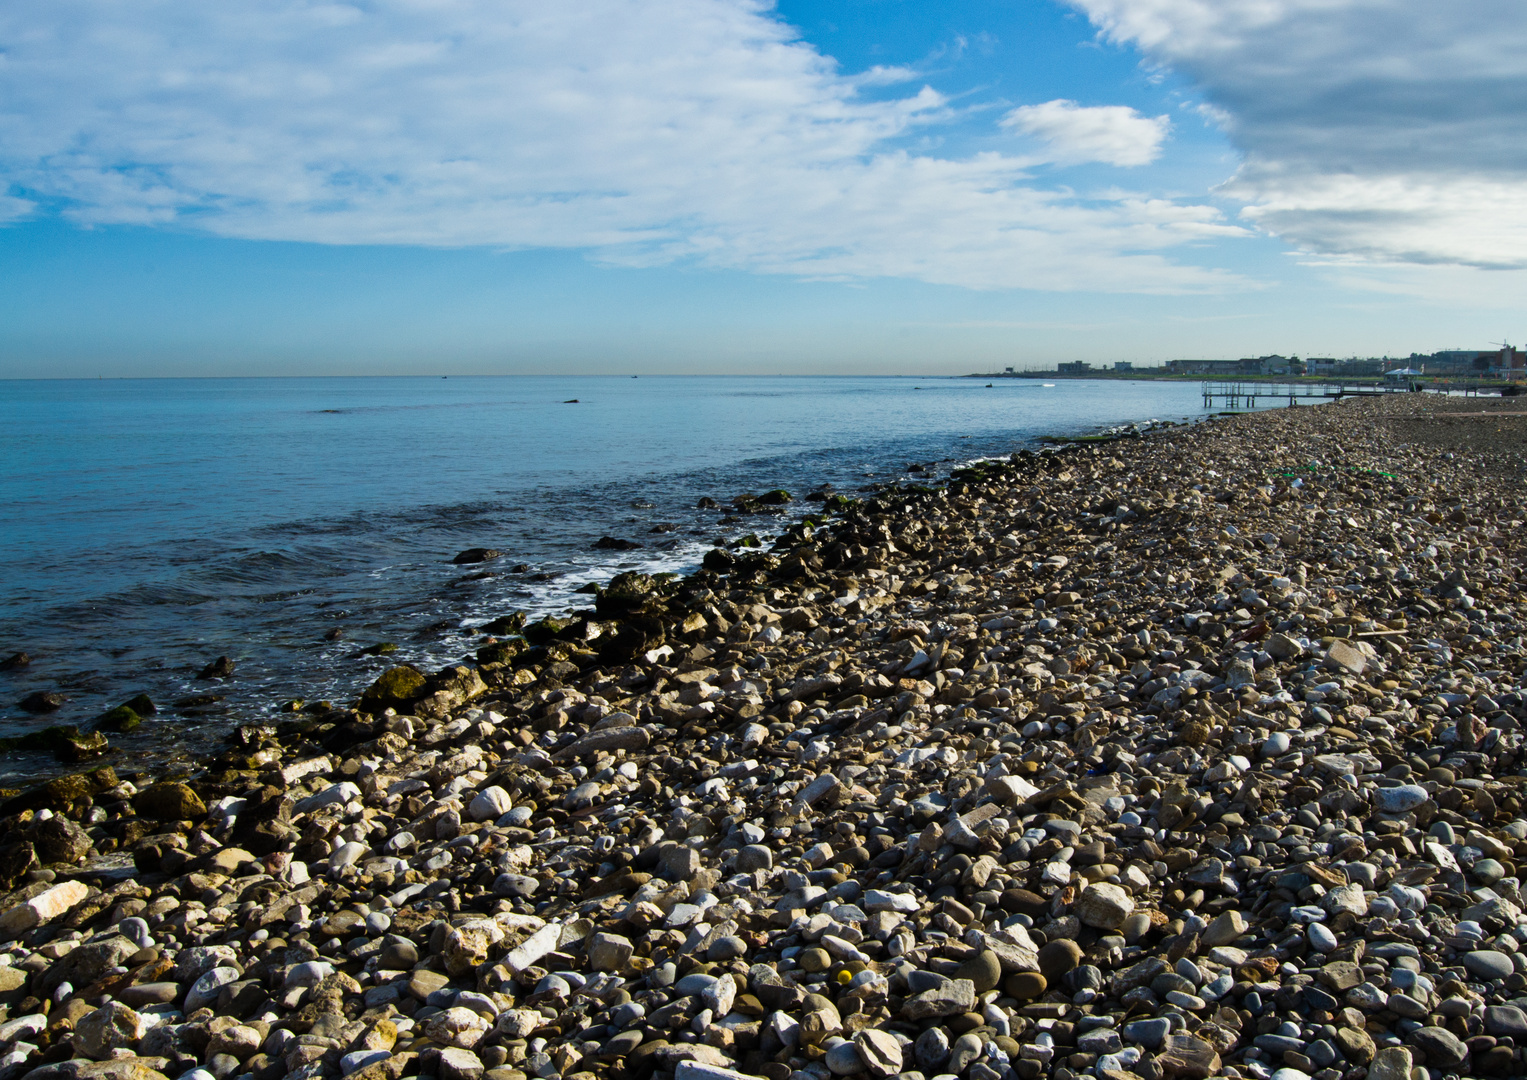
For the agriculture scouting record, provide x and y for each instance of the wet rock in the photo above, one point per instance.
(58, 840)
(395, 688)
(476, 555)
(170, 802)
(42, 701)
(221, 668)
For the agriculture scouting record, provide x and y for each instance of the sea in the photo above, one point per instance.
(305, 527)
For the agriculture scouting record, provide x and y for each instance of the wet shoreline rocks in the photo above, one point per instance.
(1197, 754)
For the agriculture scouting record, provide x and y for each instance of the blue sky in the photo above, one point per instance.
(290, 187)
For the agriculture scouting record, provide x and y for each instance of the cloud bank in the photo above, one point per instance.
(700, 132)
(1390, 130)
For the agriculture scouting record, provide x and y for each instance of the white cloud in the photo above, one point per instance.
(1393, 130)
(700, 131)
(1112, 134)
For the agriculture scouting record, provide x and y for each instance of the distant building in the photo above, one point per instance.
(1203, 367)
(1008, 370)
(1446, 362)
(1074, 367)
(1273, 365)
(1508, 362)
(1330, 367)
(1123, 365)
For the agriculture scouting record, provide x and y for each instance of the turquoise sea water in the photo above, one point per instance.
(150, 526)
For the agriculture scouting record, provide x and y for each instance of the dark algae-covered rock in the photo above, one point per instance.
(476, 555)
(544, 630)
(625, 593)
(395, 688)
(118, 720)
(141, 704)
(64, 741)
(42, 701)
(170, 802)
(221, 668)
(505, 624)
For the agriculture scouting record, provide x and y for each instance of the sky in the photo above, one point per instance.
(841, 186)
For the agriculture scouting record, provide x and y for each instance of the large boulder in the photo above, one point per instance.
(476, 555)
(58, 840)
(395, 688)
(170, 802)
(625, 592)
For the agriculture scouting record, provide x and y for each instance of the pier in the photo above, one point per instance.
(1243, 393)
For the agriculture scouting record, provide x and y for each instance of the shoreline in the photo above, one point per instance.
(52, 725)
(1116, 759)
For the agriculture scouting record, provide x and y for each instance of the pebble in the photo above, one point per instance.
(1488, 964)
(1397, 800)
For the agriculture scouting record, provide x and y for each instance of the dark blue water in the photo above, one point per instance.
(150, 526)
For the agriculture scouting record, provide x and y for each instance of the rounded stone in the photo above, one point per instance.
(983, 969)
(1488, 871)
(1487, 964)
(812, 961)
(844, 1060)
(399, 956)
(931, 1050)
(620, 1045)
(726, 948)
(965, 1052)
(1321, 939)
(490, 804)
(1443, 1048)
(1058, 957)
(1506, 1020)
(204, 990)
(1026, 985)
(1276, 744)
(1399, 800)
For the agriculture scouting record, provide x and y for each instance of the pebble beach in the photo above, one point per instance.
(1188, 754)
